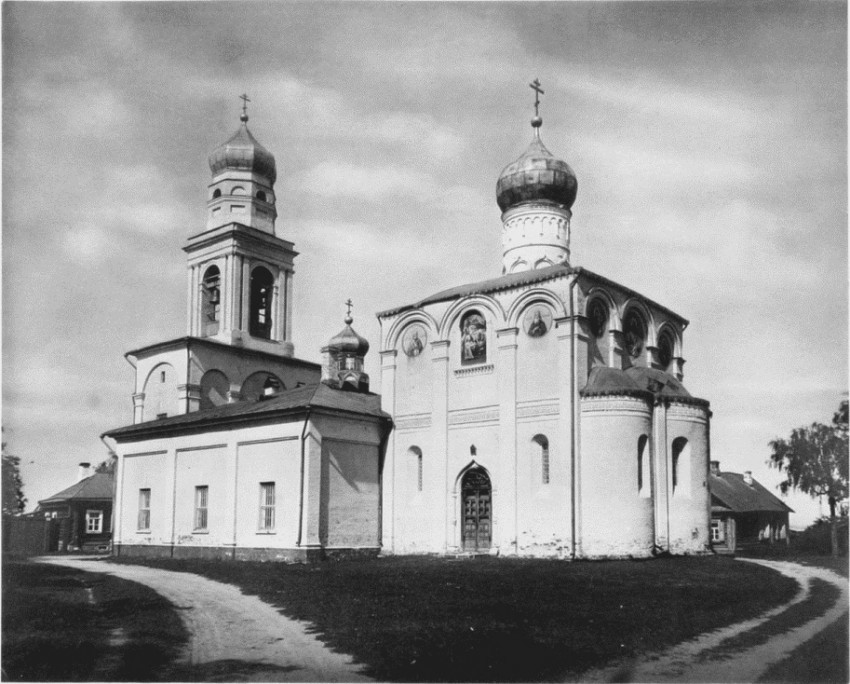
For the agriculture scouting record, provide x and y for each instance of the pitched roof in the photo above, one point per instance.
(97, 486)
(287, 402)
(730, 492)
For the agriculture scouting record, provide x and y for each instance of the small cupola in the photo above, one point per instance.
(343, 358)
(243, 177)
(536, 193)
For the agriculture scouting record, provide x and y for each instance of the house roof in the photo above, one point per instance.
(287, 402)
(729, 492)
(97, 486)
(511, 280)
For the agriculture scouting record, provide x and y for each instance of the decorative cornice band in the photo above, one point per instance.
(482, 415)
(412, 421)
(532, 410)
(616, 404)
(484, 369)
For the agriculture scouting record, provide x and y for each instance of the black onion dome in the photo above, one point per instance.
(243, 153)
(536, 175)
(349, 342)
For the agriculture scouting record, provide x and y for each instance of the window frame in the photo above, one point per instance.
(267, 511)
(98, 519)
(144, 498)
(202, 499)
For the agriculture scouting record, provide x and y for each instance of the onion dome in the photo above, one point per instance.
(536, 175)
(243, 153)
(348, 342)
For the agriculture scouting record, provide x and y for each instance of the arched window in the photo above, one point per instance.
(634, 333)
(161, 392)
(643, 466)
(541, 447)
(416, 457)
(260, 323)
(597, 315)
(257, 385)
(238, 190)
(214, 389)
(211, 301)
(261, 195)
(665, 350)
(473, 338)
(216, 193)
(681, 467)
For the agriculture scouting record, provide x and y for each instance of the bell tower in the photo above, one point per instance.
(239, 270)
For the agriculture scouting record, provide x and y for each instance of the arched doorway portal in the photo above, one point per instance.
(476, 510)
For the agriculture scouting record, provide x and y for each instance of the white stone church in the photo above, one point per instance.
(539, 413)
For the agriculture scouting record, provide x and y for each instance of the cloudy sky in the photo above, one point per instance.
(709, 142)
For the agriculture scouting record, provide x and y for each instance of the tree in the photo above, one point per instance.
(14, 500)
(107, 465)
(814, 460)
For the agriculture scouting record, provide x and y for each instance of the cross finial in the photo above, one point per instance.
(245, 102)
(538, 91)
(348, 318)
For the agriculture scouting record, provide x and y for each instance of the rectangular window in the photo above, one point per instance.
(94, 522)
(716, 530)
(201, 498)
(267, 506)
(144, 521)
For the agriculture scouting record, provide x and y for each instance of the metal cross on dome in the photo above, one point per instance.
(538, 91)
(349, 304)
(245, 101)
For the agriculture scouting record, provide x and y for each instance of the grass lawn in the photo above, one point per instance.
(52, 631)
(487, 619)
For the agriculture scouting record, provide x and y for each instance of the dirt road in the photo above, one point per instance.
(234, 637)
(691, 661)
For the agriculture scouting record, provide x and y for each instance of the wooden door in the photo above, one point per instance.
(477, 510)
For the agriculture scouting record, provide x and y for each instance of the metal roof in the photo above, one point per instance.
(287, 402)
(731, 492)
(511, 280)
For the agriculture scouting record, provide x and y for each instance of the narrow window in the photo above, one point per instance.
(643, 466)
(201, 497)
(260, 324)
(216, 193)
(144, 520)
(267, 506)
(415, 455)
(261, 195)
(681, 467)
(542, 448)
(94, 522)
(162, 376)
(211, 304)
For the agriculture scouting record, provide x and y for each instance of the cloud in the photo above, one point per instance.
(339, 179)
(86, 244)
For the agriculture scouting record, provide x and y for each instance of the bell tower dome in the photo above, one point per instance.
(240, 270)
(243, 176)
(535, 194)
